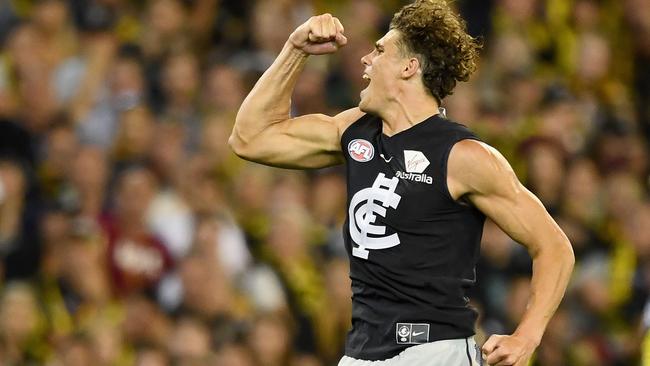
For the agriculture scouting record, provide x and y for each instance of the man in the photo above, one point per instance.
(419, 188)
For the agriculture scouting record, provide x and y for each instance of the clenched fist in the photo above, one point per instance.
(319, 35)
(503, 350)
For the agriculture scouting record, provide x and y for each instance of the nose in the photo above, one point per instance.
(365, 60)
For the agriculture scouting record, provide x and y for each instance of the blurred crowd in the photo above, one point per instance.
(131, 235)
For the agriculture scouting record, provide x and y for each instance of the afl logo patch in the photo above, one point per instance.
(361, 150)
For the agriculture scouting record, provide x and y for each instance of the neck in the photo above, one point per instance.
(407, 110)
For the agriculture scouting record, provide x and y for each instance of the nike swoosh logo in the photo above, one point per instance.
(415, 334)
(386, 160)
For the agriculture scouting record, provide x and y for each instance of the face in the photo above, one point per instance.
(18, 312)
(166, 16)
(382, 70)
(127, 78)
(181, 77)
(135, 191)
(269, 341)
(190, 340)
(51, 16)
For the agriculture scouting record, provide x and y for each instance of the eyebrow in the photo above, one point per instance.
(379, 46)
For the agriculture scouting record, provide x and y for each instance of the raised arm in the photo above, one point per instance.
(264, 131)
(480, 173)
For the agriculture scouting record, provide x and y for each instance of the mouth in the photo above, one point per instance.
(366, 79)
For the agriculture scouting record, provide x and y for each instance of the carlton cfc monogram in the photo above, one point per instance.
(363, 212)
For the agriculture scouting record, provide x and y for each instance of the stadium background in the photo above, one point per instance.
(130, 234)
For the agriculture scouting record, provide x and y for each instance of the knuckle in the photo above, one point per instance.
(500, 353)
(485, 347)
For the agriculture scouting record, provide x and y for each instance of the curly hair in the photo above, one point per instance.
(432, 32)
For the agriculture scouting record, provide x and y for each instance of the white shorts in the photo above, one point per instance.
(448, 352)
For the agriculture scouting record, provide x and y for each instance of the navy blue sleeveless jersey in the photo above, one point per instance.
(412, 247)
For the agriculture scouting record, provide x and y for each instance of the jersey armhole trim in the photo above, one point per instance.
(345, 131)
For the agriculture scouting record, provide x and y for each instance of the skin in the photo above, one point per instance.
(265, 133)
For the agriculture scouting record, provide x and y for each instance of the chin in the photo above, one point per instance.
(364, 104)
(366, 108)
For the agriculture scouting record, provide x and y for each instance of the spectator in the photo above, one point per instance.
(130, 234)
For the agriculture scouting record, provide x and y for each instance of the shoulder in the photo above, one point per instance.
(458, 129)
(346, 118)
(469, 150)
(476, 167)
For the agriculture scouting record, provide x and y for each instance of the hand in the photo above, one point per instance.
(504, 350)
(319, 35)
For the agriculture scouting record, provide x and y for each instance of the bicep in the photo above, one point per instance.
(308, 141)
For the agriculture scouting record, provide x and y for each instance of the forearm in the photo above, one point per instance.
(99, 60)
(270, 99)
(552, 266)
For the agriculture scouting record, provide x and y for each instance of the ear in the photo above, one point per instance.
(411, 67)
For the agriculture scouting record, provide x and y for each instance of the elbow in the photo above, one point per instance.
(237, 145)
(558, 252)
(242, 147)
(236, 142)
(565, 255)
(240, 137)
(570, 256)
